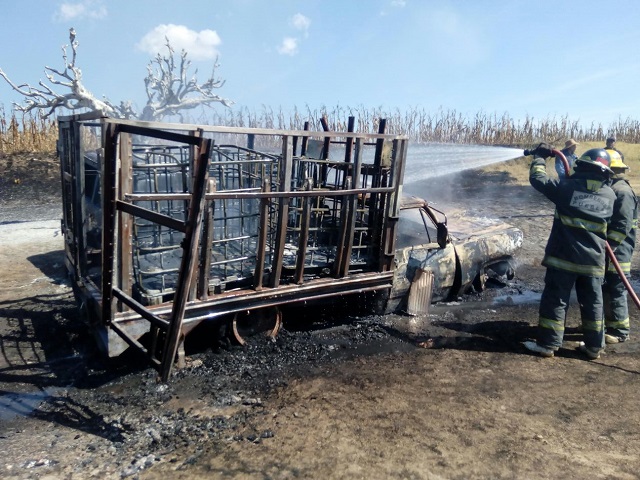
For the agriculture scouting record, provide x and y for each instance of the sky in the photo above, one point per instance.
(541, 59)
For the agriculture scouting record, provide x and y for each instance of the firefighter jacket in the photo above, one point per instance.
(584, 205)
(624, 221)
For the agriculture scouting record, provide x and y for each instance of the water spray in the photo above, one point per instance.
(610, 254)
(426, 161)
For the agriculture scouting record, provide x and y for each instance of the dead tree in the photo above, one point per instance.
(169, 91)
(44, 98)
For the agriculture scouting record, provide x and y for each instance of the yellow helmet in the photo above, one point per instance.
(616, 159)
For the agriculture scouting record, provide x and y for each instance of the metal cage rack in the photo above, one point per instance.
(167, 226)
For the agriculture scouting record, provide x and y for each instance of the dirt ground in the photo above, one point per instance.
(449, 395)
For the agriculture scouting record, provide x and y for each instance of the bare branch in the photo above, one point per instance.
(45, 98)
(169, 90)
(167, 84)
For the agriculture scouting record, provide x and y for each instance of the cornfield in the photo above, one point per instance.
(34, 133)
(443, 126)
(27, 133)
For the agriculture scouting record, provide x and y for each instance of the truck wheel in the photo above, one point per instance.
(250, 323)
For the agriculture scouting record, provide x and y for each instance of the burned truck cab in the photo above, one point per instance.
(423, 244)
(447, 259)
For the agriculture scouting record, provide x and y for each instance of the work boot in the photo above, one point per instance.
(611, 339)
(592, 353)
(546, 352)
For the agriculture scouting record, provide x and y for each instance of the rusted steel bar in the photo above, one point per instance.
(134, 343)
(283, 211)
(351, 215)
(154, 333)
(163, 134)
(194, 152)
(150, 215)
(339, 288)
(140, 309)
(205, 249)
(303, 238)
(267, 159)
(391, 206)
(188, 261)
(125, 228)
(262, 237)
(398, 157)
(344, 214)
(348, 150)
(249, 299)
(109, 186)
(325, 151)
(81, 117)
(79, 214)
(157, 166)
(305, 140)
(376, 213)
(184, 127)
(377, 159)
(219, 150)
(227, 195)
(67, 196)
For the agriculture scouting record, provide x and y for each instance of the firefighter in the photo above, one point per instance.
(610, 144)
(622, 238)
(576, 249)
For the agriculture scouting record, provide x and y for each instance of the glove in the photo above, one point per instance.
(543, 150)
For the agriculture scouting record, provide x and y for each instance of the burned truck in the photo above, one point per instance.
(169, 226)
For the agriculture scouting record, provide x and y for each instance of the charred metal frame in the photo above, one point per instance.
(250, 229)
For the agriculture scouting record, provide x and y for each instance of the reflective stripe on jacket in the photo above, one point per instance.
(622, 227)
(584, 205)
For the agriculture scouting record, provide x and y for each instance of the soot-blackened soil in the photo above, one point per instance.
(447, 395)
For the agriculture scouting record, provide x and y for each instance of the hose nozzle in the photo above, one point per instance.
(543, 150)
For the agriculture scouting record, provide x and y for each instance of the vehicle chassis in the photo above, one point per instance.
(167, 226)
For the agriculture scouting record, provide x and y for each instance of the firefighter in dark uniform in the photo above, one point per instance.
(576, 249)
(621, 232)
(611, 145)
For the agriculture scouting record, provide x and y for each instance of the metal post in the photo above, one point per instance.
(109, 197)
(188, 262)
(283, 210)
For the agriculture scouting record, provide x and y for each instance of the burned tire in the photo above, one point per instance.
(264, 322)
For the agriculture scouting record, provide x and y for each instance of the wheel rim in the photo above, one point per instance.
(264, 322)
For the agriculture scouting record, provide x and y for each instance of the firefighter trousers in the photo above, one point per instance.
(616, 309)
(555, 302)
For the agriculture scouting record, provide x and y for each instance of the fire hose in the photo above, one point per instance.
(610, 254)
